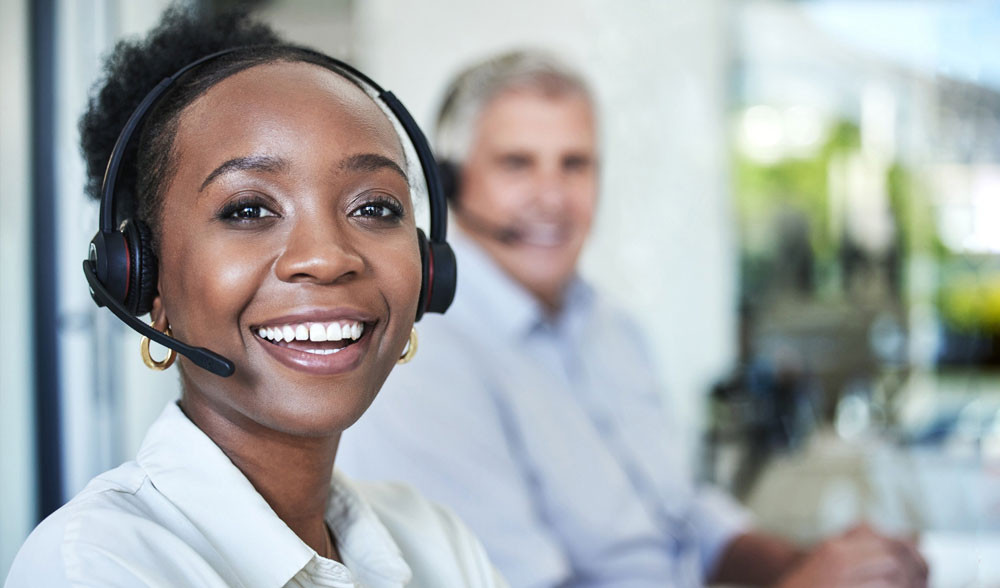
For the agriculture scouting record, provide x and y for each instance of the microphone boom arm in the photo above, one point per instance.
(201, 357)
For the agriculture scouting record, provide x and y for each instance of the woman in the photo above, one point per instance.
(278, 207)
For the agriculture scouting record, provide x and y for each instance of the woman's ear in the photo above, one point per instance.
(158, 315)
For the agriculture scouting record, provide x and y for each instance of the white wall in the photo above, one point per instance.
(17, 474)
(108, 397)
(104, 415)
(664, 243)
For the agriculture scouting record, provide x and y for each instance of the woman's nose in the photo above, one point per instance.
(318, 252)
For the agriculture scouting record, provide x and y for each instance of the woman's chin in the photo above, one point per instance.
(315, 417)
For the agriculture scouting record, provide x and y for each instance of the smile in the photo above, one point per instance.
(323, 347)
(345, 332)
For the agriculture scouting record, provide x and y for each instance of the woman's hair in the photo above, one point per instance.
(136, 66)
(475, 87)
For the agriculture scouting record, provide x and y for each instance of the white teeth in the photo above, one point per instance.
(323, 351)
(317, 332)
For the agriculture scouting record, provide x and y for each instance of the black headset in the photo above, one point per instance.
(121, 266)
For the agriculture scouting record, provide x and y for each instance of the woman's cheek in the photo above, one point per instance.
(214, 283)
(406, 275)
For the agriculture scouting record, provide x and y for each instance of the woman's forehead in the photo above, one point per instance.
(293, 93)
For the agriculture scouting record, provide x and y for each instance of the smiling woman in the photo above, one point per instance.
(300, 235)
(272, 222)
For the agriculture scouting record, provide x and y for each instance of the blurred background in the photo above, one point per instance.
(801, 203)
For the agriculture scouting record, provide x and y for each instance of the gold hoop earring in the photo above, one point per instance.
(411, 348)
(147, 359)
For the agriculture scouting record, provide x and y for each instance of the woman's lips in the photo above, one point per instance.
(315, 331)
(339, 348)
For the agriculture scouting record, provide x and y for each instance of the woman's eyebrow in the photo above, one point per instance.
(369, 162)
(264, 163)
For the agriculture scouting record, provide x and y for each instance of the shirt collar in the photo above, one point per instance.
(492, 296)
(363, 541)
(193, 473)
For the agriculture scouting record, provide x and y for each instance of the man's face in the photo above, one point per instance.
(529, 187)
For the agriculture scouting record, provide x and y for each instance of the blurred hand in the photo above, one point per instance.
(859, 557)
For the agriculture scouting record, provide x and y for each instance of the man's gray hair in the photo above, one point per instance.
(474, 88)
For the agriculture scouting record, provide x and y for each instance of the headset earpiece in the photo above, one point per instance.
(440, 274)
(125, 263)
(444, 276)
(110, 261)
(143, 267)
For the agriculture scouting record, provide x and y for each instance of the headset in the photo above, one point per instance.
(121, 266)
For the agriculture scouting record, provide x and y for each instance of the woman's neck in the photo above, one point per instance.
(292, 473)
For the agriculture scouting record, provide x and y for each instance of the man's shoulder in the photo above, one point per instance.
(617, 325)
(611, 310)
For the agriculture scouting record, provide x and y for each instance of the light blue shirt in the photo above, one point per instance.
(547, 436)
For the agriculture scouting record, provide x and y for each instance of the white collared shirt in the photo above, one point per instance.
(548, 436)
(182, 514)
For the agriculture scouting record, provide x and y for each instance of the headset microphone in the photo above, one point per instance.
(201, 357)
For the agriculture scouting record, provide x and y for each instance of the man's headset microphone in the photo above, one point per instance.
(121, 266)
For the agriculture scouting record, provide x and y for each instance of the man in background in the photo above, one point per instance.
(532, 409)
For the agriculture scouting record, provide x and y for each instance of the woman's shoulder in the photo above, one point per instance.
(439, 549)
(113, 533)
(42, 560)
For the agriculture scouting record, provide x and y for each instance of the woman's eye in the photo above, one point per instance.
(381, 210)
(373, 210)
(242, 212)
(252, 211)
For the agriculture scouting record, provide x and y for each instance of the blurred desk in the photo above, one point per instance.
(946, 487)
(953, 504)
